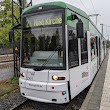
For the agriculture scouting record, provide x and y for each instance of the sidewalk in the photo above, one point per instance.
(93, 98)
(105, 100)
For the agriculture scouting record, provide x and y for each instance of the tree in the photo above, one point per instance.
(6, 21)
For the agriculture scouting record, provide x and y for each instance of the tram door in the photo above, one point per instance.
(99, 52)
(93, 56)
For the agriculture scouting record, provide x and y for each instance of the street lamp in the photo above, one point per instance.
(96, 17)
(102, 28)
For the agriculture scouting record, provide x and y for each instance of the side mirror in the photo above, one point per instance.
(80, 29)
(11, 35)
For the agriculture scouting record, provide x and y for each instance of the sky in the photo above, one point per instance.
(101, 7)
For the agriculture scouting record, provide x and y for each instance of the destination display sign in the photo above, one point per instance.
(43, 20)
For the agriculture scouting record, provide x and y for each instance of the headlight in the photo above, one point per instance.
(22, 74)
(55, 77)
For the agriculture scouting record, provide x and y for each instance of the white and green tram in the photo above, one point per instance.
(61, 51)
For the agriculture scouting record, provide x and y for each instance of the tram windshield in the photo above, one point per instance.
(43, 40)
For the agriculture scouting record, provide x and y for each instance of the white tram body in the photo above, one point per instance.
(62, 85)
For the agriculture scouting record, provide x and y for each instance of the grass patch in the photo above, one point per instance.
(16, 90)
(4, 96)
(7, 94)
(14, 80)
(9, 85)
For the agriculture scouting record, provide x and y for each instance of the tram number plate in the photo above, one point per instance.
(32, 74)
(29, 78)
(39, 86)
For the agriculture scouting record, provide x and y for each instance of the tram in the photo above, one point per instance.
(61, 51)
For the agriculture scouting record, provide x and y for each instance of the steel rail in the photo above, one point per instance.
(6, 61)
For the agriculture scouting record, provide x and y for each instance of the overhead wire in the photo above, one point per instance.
(107, 25)
(93, 6)
(86, 9)
(107, 28)
(85, 6)
(93, 9)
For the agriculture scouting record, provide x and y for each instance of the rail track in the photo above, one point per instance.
(6, 61)
(74, 104)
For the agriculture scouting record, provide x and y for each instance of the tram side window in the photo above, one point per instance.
(84, 52)
(73, 48)
(103, 46)
(93, 48)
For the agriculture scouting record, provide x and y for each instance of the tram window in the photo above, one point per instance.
(97, 46)
(103, 45)
(73, 48)
(84, 52)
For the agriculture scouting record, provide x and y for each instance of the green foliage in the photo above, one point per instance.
(6, 21)
(14, 80)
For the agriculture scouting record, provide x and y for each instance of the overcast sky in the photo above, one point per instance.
(101, 7)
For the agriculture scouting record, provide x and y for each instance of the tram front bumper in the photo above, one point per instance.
(44, 92)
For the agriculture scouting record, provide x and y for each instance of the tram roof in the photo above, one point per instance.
(61, 4)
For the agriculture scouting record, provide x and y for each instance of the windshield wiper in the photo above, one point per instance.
(43, 65)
